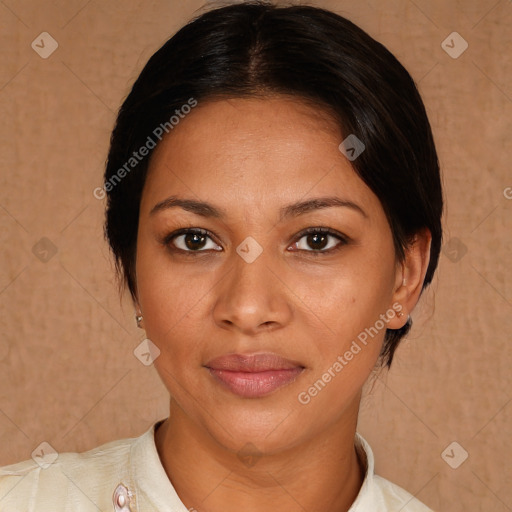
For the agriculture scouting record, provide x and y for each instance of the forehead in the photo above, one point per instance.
(264, 150)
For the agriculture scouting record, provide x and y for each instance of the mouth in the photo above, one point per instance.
(255, 375)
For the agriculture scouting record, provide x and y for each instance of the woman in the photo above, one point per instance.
(274, 207)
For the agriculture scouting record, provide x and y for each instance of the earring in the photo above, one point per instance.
(400, 314)
(138, 319)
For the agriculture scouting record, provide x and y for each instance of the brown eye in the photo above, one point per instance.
(319, 240)
(192, 240)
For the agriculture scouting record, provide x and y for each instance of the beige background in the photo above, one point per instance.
(68, 374)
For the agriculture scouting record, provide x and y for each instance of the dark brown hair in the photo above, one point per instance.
(255, 48)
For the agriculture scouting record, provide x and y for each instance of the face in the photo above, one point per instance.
(266, 273)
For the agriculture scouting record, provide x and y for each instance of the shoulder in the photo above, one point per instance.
(57, 479)
(380, 494)
(395, 497)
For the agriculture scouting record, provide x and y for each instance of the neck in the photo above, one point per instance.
(320, 474)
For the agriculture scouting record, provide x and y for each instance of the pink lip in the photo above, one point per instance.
(253, 376)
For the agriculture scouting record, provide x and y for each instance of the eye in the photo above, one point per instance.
(191, 240)
(319, 240)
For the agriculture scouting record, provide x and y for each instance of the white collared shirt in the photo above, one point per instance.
(127, 475)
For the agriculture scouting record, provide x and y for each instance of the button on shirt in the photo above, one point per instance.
(127, 475)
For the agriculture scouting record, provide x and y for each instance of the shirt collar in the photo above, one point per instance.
(153, 489)
(366, 499)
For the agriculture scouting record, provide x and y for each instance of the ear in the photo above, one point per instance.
(410, 275)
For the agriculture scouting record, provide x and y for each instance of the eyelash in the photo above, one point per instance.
(167, 240)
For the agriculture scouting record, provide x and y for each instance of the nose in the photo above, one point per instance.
(251, 298)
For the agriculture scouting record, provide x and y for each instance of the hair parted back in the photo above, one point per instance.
(255, 49)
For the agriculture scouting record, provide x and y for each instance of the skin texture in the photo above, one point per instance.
(249, 158)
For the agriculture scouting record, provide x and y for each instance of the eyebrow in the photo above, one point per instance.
(318, 203)
(198, 207)
(205, 209)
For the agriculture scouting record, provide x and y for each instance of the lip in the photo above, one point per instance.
(253, 375)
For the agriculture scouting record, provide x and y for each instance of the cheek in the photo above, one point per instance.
(345, 353)
(170, 297)
(351, 296)
(172, 309)
(173, 323)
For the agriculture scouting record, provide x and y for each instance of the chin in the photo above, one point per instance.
(264, 429)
